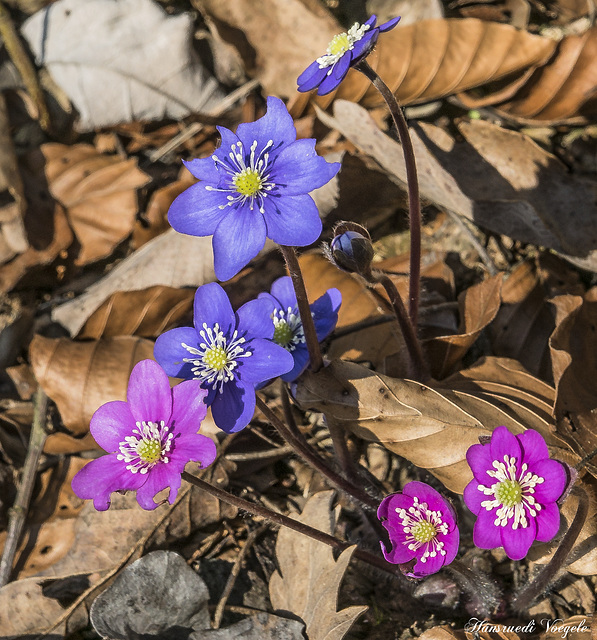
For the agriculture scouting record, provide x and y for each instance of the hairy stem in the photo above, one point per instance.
(538, 586)
(278, 518)
(414, 203)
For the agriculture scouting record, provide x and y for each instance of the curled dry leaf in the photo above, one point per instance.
(98, 192)
(309, 578)
(564, 89)
(146, 313)
(435, 58)
(81, 376)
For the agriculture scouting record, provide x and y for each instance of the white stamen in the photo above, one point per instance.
(152, 435)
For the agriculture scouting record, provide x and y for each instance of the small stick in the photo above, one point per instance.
(278, 518)
(18, 513)
(22, 62)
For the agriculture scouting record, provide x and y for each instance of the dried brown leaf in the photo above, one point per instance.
(98, 192)
(309, 578)
(435, 58)
(81, 376)
(146, 313)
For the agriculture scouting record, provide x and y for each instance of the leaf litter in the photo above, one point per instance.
(87, 254)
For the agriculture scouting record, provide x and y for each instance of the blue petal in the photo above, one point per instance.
(203, 169)
(311, 77)
(212, 307)
(301, 359)
(371, 21)
(339, 71)
(196, 211)
(283, 290)
(276, 125)
(364, 46)
(237, 240)
(255, 319)
(390, 24)
(298, 169)
(228, 139)
(268, 360)
(169, 352)
(292, 220)
(325, 313)
(233, 409)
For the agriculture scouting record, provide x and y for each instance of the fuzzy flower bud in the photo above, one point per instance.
(351, 251)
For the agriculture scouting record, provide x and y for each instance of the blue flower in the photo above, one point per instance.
(288, 328)
(343, 52)
(255, 185)
(230, 353)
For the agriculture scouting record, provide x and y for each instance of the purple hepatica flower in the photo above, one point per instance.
(288, 328)
(256, 184)
(514, 492)
(422, 527)
(344, 51)
(150, 438)
(230, 353)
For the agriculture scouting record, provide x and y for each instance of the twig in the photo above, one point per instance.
(22, 62)
(18, 513)
(479, 248)
(234, 574)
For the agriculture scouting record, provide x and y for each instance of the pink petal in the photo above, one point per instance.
(517, 542)
(193, 447)
(158, 478)
(148, 394)
(486, 535)
(503, 443)
(555, 479)
(548, 522)
(533, 446)
(188, 406)
(111, 423)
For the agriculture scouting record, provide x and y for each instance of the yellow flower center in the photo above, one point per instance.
(149, 450)
(508, 492)
(339, 44)
(424, 531)
(248, 182)
(216, 358)
(283, 333)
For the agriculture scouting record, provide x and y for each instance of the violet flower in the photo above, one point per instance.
(230, 353)
(288, 328)
(344, 51)
(150, 438)
(256, 184)
(514, 492)
(422, 527)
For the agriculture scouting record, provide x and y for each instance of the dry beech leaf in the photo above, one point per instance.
(500, 180)
(146, 313)
(409, 12)
(478, 305)
(285, 36)
(309, 578)
(81, 376)
(98, 192)
(436, 58)
(572, 346)
(564, 89)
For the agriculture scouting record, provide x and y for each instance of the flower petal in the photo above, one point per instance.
(431, 565)
(548, 522)
(169, 352)
(392, 502)
(517, 542)
(480, 461)
(298, 169)
(333, 80)
(486, 535)
(325, 313)
(212, 307)
(99, 478)
(283, 292)
(503, 443)
(148, 394)
(555, 477)
(301, 359)
(533, 446)
(292, 220)
(268, 360)
(192, 448)
(399, 552)
(451, 544)
(311, 77)
(473, 497)
(196, 211)
(203, 169)
(276, 125)
(111, 424)
(237, 240)
(255, 318)
(161, 476)
(364, 46)
(233, 409)
(390, 24)
(188, 407)
(434, 500)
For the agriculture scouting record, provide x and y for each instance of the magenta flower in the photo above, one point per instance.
(514, 492)
(344, 51)
(422, 527)
(150, 438)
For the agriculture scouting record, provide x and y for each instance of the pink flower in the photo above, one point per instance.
(150, 438)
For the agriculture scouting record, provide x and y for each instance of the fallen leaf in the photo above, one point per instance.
(500, 180)
(146, 313)
(121, 61)
(81, 376)
(98, 192)
(309, 578)
(409, 12)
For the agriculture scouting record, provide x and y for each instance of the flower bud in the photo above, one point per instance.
(351, 251)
